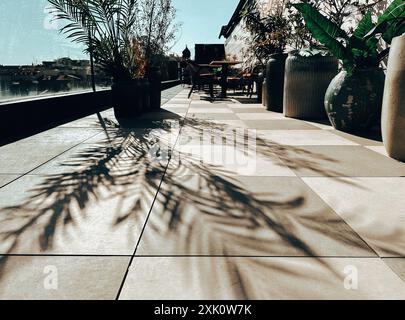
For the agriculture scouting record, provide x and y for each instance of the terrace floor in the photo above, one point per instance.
(202, 200)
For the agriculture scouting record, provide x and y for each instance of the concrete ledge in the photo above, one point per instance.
(25, 117)
(22, 118)
(170, 84)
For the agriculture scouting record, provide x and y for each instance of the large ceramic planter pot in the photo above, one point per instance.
(155, 88)
(305, 84)
(393, 110)
(127, 100)
(259, 87)
(264, 93)
(275, 82)
(353, 101)
(145, 92)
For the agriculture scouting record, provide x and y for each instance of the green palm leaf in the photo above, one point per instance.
(365, 26)
(104, 27)
(324, 31)
(390, 23)
(394, 10)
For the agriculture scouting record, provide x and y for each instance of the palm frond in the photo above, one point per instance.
(104, 27)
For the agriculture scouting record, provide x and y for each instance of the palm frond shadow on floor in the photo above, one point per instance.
(132, 162)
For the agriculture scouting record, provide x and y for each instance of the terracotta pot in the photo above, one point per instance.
(305, 84)
(127, 100)
(275, 82)
(393, 110)
(353, 102)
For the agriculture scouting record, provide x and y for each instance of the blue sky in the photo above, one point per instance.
(27, 36)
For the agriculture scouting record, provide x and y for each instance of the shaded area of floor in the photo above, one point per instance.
(201, 200)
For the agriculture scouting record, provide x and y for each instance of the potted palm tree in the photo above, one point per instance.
(354, 97)
(105, 29)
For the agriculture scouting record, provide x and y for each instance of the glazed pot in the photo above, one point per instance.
(393, 110)
(127, 100)
(353, 101)
(305, 83)
(155, 88)
(275, 82)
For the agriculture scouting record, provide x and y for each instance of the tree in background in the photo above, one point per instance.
(268, 34)
(155, 31)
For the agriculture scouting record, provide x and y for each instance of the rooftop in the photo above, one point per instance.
(201, 200)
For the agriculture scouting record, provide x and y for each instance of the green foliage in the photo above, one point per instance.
(360, 50)
(325, 31)
(104, 27)
(270, 34)
(391, 23)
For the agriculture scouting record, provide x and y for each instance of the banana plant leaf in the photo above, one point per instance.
(390, 23)
(325, 31)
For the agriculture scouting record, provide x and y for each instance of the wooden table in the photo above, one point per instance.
(224, 77)
(213, 66)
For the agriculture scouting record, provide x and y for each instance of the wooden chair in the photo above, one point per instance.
(248, 83)
(200, 78)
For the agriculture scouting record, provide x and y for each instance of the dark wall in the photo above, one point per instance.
(206, 53)
(22, 118)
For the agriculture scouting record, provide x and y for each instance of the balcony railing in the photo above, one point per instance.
(23, 117)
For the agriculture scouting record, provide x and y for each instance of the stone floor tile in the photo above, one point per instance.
(241, 278)
(324, 125)
(378, 149)
(304, 137)
(373, 207)
(212, 116)
(72, 136)
(208, 214)
(91, 210)
(61, 277)
(20, 158)
(197, 110)
(174, 105)
(180, 101)
(249, 110)
(5, 179)
(371, 139)
(279, 124)
(232, 160)
(345, 161)
(397, 265)
(260, 116)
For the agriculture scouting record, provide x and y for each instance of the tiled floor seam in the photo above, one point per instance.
(38, 255)
(344, 221)
(149, 213)
(383, 259)
(69, 149)
(49, 160)
(47, 255)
